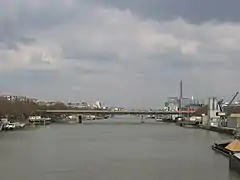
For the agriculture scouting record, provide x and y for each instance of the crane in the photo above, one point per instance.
(222, 114)
(234, 97)
(229, 104)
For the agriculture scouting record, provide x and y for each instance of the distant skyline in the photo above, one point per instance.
(128, 53)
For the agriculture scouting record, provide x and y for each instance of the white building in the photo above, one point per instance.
(18, 98)
(98, 104)
(172, 104)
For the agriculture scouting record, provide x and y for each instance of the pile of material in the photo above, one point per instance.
(234, 146)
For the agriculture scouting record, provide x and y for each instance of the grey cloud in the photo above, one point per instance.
(37, 60)
(119, 64)
(13, 43)
(179, 62)
(77, 53)
(27, 18)
(195, 11)
(43, 84)
(24, 76)
(9, 46)
(55, 85)
(27, 40)
(90, 71)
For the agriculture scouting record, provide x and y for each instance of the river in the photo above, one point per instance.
(116, 149)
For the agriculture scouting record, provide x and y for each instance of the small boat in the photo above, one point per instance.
(150, 117)
(9, 126)
(159, 120)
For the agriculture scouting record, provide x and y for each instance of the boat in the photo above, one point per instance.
(159, 120)
(19, 125)
(150, 117)
(220, 147)
(40, 120)
(231, 149)
(107, 116)
(9, 126)
(227, 147)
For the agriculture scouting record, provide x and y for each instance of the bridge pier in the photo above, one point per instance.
(142, 120)
(80, 118)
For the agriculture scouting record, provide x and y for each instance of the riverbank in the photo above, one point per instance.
(225, 130)
(18, 126)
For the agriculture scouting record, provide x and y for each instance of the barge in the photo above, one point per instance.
(227, 147)
(231, 149)
(234, 162)
(220, 147)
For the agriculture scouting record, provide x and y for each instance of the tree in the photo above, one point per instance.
(16, 110)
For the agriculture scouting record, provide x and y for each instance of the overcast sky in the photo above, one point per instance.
(130, 53)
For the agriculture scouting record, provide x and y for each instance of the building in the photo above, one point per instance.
(13, 98)
(232, 114)
(185, 102)
(98, 104)
(42, 103)
(18, 98)
(172, 104)
(76, 105)
(85, 104)
(34, 100)
(48, 103)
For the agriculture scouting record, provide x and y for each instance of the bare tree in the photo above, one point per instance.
(16, 110)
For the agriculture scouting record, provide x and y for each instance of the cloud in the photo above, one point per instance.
(83, 50)
(193, 11)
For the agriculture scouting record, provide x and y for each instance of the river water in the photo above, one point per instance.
(116, 149)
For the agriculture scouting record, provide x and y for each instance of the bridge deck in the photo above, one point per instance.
(114, 112)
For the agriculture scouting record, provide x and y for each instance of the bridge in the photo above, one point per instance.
(105, 112)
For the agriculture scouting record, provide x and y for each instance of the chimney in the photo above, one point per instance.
(180, 95)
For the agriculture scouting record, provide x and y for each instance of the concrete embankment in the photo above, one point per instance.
(225, 130)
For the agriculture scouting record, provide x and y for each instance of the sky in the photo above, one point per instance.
(129, 53)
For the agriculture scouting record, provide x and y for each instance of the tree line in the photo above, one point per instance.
(16, 110)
